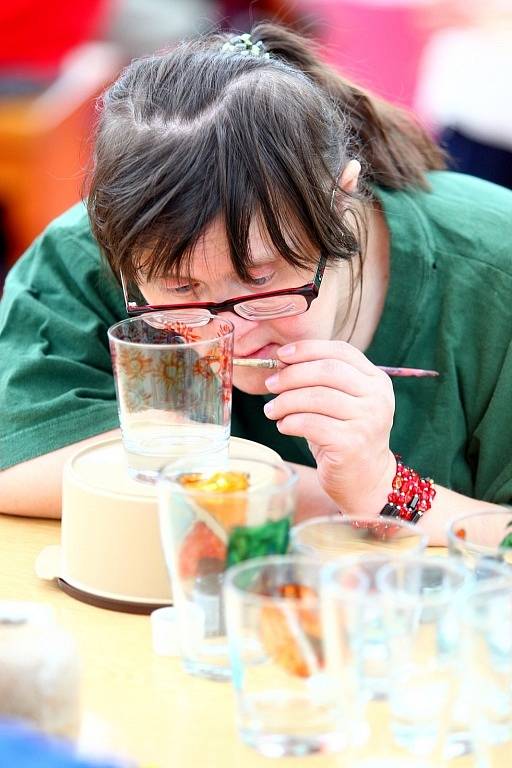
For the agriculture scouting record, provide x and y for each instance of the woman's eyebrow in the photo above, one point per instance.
(260, 260)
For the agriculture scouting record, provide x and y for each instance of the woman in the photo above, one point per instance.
(234, 166)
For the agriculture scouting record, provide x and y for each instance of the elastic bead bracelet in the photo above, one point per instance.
(412, 495)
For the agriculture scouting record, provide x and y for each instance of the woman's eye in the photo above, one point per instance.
(264, 280)
(181, 290)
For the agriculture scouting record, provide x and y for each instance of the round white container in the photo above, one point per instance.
(110, 553)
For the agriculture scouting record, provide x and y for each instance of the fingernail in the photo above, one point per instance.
(287, 351)
(268, 408)
(272, 381)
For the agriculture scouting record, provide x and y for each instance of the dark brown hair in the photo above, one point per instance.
(196, 133)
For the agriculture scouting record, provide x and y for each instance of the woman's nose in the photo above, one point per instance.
(241, 325)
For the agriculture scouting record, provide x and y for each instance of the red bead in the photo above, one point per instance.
(407, 486)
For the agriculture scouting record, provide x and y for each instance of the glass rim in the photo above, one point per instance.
(422, 537)
(498, 584)
(481, 595)
(171, 345)
(289, 481)
(339, 519)
(402, 595)
(474, 546)
(289, 558)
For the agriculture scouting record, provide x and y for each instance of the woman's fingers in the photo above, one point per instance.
(307, 351)
(315, 400)
(330, 394)
(331, 373)
(321, 431)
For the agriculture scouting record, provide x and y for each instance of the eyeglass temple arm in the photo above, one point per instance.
(317, 281)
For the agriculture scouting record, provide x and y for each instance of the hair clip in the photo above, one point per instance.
(244, 45)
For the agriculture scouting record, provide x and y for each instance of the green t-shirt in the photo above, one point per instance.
(449, 307)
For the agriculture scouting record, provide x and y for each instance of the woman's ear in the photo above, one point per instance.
(350, 176)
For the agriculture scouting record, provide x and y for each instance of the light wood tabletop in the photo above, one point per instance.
(136, 704)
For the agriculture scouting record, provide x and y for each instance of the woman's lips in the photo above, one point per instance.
(269, 350)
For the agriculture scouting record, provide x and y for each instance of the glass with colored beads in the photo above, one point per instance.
(217, 511)
(287, 704)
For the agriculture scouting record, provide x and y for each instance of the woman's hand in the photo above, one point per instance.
(332, 395)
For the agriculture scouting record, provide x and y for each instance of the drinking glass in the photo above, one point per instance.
(422, 632)
(481, 537)
(328, 537)
(173, 386)
(487, 663)
(354, 621)
(216, 511)
(484, 570)
(286, 702)
(358, 545)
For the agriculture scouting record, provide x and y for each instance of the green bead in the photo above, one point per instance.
(507, 541)
(268, 539)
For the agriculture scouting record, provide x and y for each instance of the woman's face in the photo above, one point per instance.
(212, 278)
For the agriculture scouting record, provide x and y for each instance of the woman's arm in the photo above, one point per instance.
(312, 500)
(447, 506)
(34, 488)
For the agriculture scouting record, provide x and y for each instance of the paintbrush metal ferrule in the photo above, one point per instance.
(257, 362)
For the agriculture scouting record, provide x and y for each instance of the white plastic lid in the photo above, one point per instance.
(102, 466)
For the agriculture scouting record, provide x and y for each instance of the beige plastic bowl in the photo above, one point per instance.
(110, 551)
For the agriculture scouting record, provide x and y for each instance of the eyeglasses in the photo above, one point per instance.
(256, 306)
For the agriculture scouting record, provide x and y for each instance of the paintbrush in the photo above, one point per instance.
(261, 362)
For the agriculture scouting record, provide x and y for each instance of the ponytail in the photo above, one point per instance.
(394, 150)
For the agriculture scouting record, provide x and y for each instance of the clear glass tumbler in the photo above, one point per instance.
(487, 668)
(357, 545)
(482, 537)
(216, 511)
(423, 635)
(286, 702)
(355, 621)
(484, 567)
(328, 537)
(173, 385)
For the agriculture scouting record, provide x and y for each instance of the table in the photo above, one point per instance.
(136, 704)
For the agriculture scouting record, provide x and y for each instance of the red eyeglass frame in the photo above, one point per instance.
(309, 291)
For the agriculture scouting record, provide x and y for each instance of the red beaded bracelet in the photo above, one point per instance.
(411, 496)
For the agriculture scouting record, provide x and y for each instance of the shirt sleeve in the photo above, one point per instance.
(56, 383)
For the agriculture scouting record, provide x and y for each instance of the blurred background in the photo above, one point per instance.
(448, 61)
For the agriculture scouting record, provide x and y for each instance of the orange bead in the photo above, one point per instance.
(279, 639)
(213, 495)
